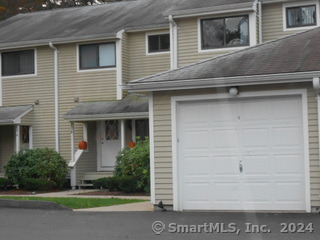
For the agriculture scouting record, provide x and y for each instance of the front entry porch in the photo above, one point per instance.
(107, 128)
(15, 131)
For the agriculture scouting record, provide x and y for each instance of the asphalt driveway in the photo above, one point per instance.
(24, 224)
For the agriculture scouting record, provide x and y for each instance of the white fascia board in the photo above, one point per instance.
(222, 82)
(97, 117)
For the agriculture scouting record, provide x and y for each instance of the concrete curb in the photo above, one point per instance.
(29, 204)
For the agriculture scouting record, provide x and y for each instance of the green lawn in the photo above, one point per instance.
(78, 203)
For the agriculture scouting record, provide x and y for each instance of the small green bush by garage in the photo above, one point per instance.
(34, 169)
(132, 172)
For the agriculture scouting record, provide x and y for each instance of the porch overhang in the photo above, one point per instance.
(131, 107)
(13, 115)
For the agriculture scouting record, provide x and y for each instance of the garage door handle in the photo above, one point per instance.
(240, 167)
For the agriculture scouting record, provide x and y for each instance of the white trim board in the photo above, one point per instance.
(177, 205)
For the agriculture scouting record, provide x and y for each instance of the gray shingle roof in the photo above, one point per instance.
(189, 7)
(292, 54)
(91, 22)
(132, 105)
(9, 114)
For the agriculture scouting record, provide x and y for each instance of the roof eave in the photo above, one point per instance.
(113, 116)
(249, 6)
(44, 42)
(221, 82)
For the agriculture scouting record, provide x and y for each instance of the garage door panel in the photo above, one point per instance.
(289, 192)
(198, 192)
(195, 139)
(226, 192)
(243, 154)
(225, 139)
(287, 137)
(198, 166)
(257, 192)
(255, 137)
(226, 166)
(257, 165)
(288, 164)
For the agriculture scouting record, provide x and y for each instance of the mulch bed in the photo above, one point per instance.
(104, 193)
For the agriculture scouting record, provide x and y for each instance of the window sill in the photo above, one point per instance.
(96, 70)
(157, 53)
(219, 50)
(299, 28)
(20, 76)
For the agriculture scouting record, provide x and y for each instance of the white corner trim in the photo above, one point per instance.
(119, 64)
(177, 201)
(297, 4)
(252, 33)
(151, 139)
(153, 33)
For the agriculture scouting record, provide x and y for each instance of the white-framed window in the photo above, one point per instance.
(157, 43)
(18, 63)
(97, 56)
(225, 32)
(228, 32)
(300, 15)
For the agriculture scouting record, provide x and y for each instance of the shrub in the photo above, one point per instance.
(5, 184)
(128, 184)
(135, 162)
(40, 163)
(38, 184)
(110, 183)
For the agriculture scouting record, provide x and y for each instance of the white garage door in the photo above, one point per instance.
(241, 154)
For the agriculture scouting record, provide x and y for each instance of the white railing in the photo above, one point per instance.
(77, 156)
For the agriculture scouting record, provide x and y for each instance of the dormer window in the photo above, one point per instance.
(95, 56)
(225, 32)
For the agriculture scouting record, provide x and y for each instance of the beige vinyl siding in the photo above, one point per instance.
(98, 85)
(125, 58)
(141, 64)
(162, 137)
(272, 22)
(27, 120)
(25, 90)
(6, 144)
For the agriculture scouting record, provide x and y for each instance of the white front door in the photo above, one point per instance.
(109, 144)
(241, 154)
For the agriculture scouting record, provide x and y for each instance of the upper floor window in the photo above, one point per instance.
(18, 63)
(159, 43)
(99, 55)
(225, 32)
(301, 16)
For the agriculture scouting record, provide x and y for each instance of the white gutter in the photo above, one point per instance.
(260, 21)
(173, 43)
(220, 82)
(316, 87)
(56, 95)
(119, 64)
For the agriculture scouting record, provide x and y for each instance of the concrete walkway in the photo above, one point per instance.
(131, 207)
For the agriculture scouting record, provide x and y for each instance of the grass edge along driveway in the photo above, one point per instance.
(78, 203)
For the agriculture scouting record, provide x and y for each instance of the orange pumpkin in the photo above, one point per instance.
(83, 145)
(132, 144)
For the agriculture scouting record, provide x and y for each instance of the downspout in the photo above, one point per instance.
(173, 42)
(56, 95)
(260, 21)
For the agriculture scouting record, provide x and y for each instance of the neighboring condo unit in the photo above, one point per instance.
(63, 71)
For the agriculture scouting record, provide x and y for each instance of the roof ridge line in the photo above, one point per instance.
(225, 55)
